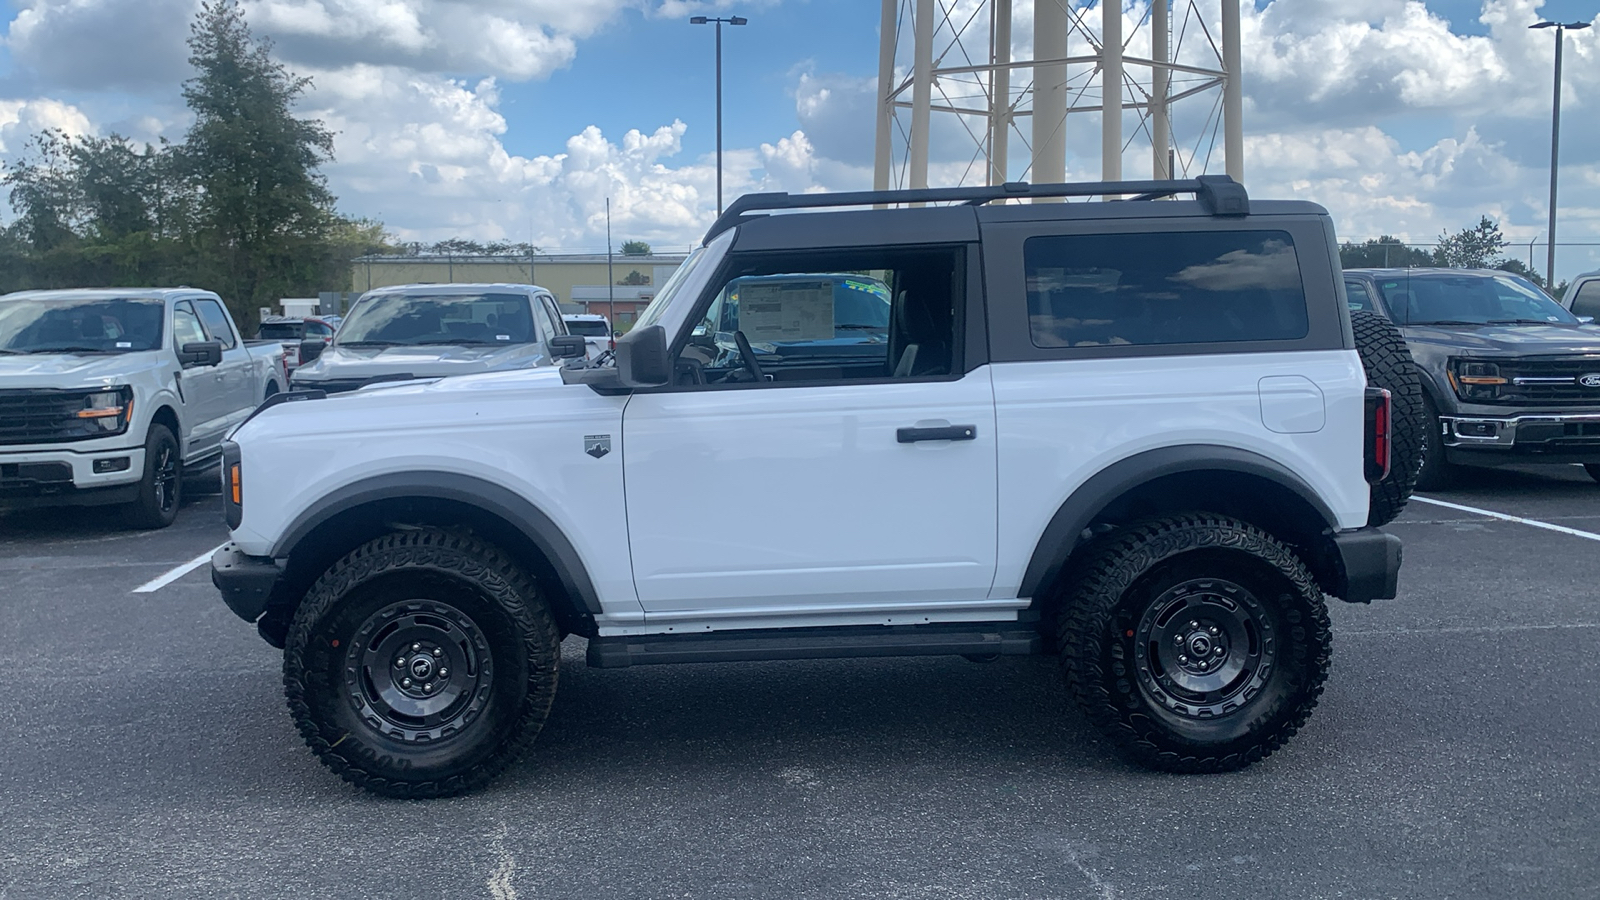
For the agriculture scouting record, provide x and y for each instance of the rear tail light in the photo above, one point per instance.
(1380, 429)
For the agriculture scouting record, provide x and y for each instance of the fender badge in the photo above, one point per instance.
(597, 445)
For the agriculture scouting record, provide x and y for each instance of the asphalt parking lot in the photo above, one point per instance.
(145, 752)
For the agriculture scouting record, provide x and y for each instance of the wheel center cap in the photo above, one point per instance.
(422, 667)
(1200, 645)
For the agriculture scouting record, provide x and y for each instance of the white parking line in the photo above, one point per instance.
(1509, 518)
(171, 575)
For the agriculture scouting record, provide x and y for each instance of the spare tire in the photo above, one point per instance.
(1387, 361)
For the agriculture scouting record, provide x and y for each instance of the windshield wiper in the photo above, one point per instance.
(884, 329)
(68, 349)
(12, 352)
(1447, 322)
(1524, 322)
(461, 341)
(369, 344)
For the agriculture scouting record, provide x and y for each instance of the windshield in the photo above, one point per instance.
(658, 306)
(588, 328)
(1470, 300)
(97, 325)
(281, 331)
(410, 319)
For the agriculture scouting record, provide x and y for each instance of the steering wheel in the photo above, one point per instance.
(749, 356)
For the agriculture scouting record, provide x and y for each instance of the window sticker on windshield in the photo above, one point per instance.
(124, 345)
(769, 313)
(502, 337)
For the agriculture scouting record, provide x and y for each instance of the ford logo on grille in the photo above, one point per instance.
(1592, 379)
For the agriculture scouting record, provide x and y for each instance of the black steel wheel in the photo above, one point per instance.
(1196, 643)
(161, 489)
(421, 664)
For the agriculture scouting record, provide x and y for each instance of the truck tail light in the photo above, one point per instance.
(1380, 430)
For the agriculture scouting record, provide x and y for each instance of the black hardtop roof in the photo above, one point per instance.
(1215, 196)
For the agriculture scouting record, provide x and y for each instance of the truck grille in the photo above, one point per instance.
(1551, 381)
(45, 416)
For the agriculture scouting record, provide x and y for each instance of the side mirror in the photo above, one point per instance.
(310, 349)
(201, 353)
(642, 357)
(569, 346)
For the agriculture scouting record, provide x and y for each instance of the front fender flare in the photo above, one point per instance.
(466, 489)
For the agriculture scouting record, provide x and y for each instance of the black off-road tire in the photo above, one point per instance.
(161, 489)
(1171, 576)
(453, 593)
(1388, 364)
(1436, 472)
(1593, 469)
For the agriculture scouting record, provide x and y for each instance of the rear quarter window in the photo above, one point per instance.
(1586, 302)
(1199, 287)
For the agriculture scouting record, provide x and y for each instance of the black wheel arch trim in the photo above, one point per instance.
(1060, 537)
(485, 495)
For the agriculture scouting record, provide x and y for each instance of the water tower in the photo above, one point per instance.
(963, 61)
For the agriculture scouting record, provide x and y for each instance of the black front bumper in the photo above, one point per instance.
(1369, 565)
(245, 581)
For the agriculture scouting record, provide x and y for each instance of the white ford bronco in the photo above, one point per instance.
(1136, 434)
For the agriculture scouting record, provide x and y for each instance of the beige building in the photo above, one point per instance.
(578, 280)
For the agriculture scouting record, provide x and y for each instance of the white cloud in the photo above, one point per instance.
(21, 119)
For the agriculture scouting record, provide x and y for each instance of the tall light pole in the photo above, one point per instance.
(1555, 146)
(719, 22)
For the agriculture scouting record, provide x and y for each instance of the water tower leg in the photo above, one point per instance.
(1232, 93)
(1000, 89)
(1111, 90)
(886, 45)
(1049, 93)
(1160, 124)
(921, 93)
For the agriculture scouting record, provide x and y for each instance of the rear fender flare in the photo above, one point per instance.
(1078, 511)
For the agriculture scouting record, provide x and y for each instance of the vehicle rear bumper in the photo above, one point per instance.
(1369, 563)
(246, 582)
(1539, 437)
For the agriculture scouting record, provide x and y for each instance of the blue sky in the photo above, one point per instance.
(519, 118)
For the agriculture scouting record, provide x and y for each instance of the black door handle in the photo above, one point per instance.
(940, 433)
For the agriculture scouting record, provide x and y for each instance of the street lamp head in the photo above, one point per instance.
(697, 20)
(1540, 25)
(1570, 26)
(1576, 26)
(741, 20)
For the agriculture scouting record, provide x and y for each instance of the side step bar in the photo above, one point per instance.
(955, 639)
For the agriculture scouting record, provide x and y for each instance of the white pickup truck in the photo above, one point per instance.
(108, 395)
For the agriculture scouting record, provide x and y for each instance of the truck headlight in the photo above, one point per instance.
(1474, 380)
(110, 411)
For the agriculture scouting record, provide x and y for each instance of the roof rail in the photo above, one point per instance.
(1219, 194)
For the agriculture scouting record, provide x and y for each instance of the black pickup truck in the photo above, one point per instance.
(1508, 374)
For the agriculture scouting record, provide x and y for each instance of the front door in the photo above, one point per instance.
(825, 452)
(204, 393)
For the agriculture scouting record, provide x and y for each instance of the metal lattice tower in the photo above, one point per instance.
(958, 58)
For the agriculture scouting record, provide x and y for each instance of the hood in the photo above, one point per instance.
(340, 363)
(1508, 340)
(73, 370)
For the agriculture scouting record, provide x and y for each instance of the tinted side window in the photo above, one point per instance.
(874, 313)
(186, 326)
(1357, 294)
(1587, 301)
(1163, 288)
(216, 322)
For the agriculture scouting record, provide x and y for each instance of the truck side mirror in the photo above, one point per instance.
(200, 353)
(569, 346)
(310, 349)
(642, 357)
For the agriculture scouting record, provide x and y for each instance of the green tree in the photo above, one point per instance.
(1384, 252)
(635, 248)
(264, 213)
(1477, 247)
(634, 279)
